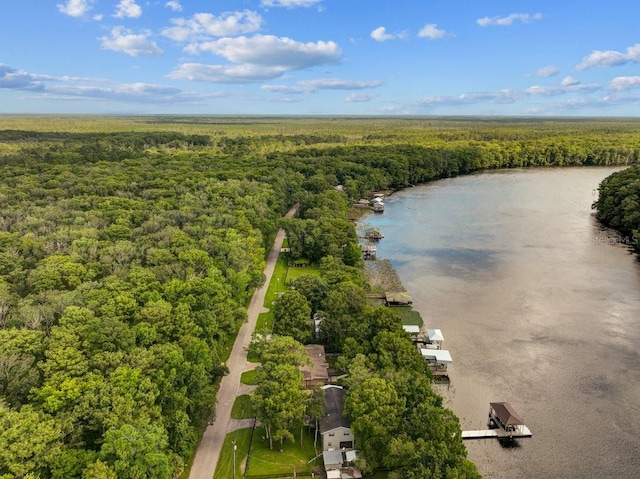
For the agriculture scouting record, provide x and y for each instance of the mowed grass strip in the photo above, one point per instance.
(276, 286)
(241, 438)
(295, 272)
(242, 408)
(249, 377)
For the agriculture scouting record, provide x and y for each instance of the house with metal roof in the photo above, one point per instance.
(412, 329)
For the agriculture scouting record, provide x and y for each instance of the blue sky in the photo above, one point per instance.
(321, 57)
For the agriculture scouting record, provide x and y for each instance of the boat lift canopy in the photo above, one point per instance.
(411, 328)
(435, 335)
(440, 356)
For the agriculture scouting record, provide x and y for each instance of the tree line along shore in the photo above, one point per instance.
(129, 248)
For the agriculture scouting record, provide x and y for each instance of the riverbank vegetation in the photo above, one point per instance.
(618, 204)
(129, 248)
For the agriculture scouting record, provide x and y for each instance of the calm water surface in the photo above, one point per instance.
(538, 306)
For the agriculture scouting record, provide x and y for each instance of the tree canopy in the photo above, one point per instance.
(129, 249)
(618, 204)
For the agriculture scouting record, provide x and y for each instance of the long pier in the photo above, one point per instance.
(523, 431)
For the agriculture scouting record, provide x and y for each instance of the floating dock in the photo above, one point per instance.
(497, 433)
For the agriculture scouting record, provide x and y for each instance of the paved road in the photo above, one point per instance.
(208, 453)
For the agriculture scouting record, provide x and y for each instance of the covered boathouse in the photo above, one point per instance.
(503, 416)
(504, 423)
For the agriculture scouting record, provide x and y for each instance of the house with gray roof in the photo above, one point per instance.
(335, 428)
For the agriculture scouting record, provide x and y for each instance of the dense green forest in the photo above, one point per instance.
(129, 248)
(618, 204)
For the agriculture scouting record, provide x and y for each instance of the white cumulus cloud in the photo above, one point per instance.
(206, 25)
(431, 30)
(567, 85)
(380, 35)
(75, 8)
(569, 81)
(145, 93)
(272, 51)
(610, 58)
(310, 86)
(289, 3)
(134, 44)
(624, 83)
(69, 87)
(359, 97)
(128, 9)
(338, 84)
(509, 19)
(548, 71)
(174, 5)
(11, 78)
(226, 73)
(256, 59)
(287, 89)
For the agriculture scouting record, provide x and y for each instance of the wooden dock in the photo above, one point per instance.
(523, 432)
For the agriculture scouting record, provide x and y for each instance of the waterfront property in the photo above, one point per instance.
(503, 416)
(373, 234)
(369, 251)
(398, 298)
(412, 329)
(377, 205)
(504, 423)
(438, 360)
(435, 338)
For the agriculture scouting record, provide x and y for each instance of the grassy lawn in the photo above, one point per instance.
(312, 269)
(266, 461)
(264, 325)
(249, 377)
(282, 274)
(275, 288)
(275, 461)
(224, 470)
(407, 315)
(242, 408)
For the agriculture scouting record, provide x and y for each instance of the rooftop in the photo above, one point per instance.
(507, 415)
(439, 355)
(398, 297)
(435, 335)
(334, 405)
(319, 368)
(411, 328)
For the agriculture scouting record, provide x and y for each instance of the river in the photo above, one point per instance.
(538, 305)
